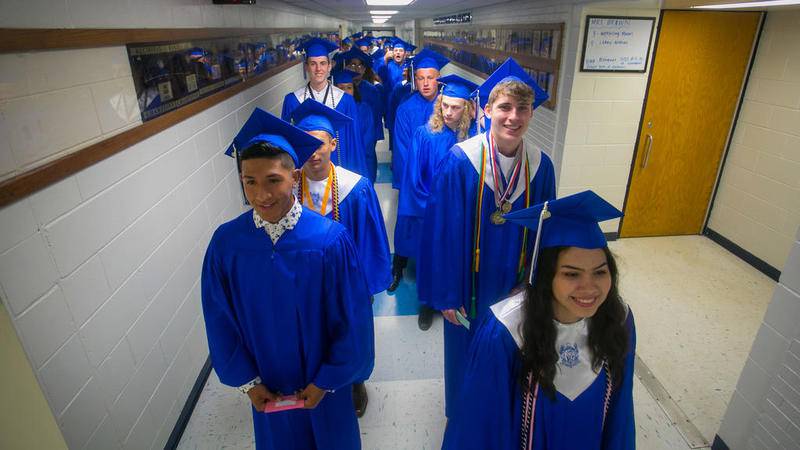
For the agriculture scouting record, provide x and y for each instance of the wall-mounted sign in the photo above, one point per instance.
(616, 44)
(454, 18)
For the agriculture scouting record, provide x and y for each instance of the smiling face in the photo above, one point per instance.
(510, 118)
(581, 283)
(318, 68)
(268, 184)
(425, 81)
(452, 110)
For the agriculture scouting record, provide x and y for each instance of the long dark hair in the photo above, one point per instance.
(608, 337)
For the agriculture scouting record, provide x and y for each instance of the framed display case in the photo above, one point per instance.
(168, 75)
(481, 49)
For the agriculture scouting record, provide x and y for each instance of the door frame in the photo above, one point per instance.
(731, 131)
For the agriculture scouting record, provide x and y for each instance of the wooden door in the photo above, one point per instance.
(697, 76)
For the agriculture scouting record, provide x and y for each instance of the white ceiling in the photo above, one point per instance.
(358, 11)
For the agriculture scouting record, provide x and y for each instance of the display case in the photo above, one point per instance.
(481, 49)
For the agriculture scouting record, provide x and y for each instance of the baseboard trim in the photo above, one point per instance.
(719, 444)
(759, 264)
(188, 407)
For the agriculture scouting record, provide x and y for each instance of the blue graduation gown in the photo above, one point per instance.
(373, 95)
(366, 131)
(411, 114)
(351, 149)
(489, 413)
(445, 263)
(396, 96)
(391, 74)
(426, 152)
(360, 212)
(292, 313)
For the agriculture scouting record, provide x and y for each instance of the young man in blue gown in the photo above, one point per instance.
(451, 121)
(570, 328)
(347, 198)
(317, 66)
(284, 299)
(412, 113)
(470, 257)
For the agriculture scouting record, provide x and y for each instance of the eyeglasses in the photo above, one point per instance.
(355, 64)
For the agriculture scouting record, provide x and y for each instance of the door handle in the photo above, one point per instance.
(649, 146)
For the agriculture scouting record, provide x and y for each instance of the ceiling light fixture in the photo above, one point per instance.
(381, 17)
(750, 4)
(383, 13)
(389, 2)
(379, 21)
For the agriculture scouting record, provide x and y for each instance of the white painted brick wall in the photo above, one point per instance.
(758, 200)
(764, 411)
(603, 111)
(100, 271)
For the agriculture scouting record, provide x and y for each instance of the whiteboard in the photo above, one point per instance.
(616, 44)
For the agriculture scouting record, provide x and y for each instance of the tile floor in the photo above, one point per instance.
(697, 309)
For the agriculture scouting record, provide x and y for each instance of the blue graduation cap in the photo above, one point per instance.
(344, 76)
(312, 115)
(358, 35)
(354, 53)
(262, 126)
(317, 47)
(458, 87)
(570, 221)
(399, 43)
(508, 71)
(347, 41)
(363, 42)
(429, 59)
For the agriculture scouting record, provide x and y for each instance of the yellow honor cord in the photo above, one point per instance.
(307, 192)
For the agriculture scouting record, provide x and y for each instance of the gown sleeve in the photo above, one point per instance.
(445, 263)
(411, 199)
(230, 357)
(620, 428)
(484, 415)
(369, 232)
(290, 103)
(348, 316)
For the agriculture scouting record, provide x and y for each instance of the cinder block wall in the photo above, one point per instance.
(764, 411)
(100, 272)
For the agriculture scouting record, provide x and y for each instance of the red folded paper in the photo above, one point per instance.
(284, 404)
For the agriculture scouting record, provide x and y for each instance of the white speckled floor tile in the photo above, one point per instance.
(382, 149)
(697, 310)
(654, 430)
(404, 352)
(388, 200)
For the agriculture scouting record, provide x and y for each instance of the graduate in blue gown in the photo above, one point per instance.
(573, 388)
(398, 94)
(470, 258)
(284, 299)
(392, 72)
(317, 67)
(345, 80)
(452, 121)
(347, 198)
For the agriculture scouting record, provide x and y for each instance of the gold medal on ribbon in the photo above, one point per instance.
(506, 207)
(497, 218)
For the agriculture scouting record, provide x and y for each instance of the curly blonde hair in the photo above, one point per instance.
(436, 122)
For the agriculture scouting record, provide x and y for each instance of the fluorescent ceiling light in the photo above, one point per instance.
(750, 4)
(381, 17)
(382, 13)
(389, 2)
(379, 21)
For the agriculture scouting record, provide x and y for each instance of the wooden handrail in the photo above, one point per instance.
(40, 177)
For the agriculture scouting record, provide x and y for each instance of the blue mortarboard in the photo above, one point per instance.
(262, 126)
(344, 76)
(312, 115)
(429, 59)
(317, 47)
(347, 41)
(358, 35)
(364, 42)
(397, 42)
(510, 70)
(570, 221)
(458, 87)
(354, 53)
